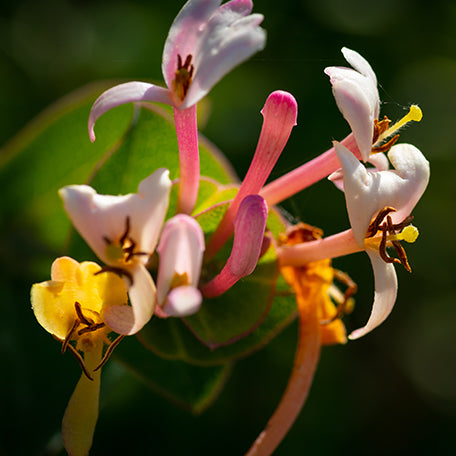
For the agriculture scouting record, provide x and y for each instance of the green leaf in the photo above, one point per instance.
(191, 387)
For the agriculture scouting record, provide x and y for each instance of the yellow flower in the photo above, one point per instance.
(70, 306)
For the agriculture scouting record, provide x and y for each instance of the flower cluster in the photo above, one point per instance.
(90, 308)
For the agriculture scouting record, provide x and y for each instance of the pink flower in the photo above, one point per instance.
(205, 42)
(181, 251)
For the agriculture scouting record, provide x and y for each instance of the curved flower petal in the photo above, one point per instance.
(126, 93)
(357, 98)
(129, 320)
(218, 39)
(99, 218)
(183, 301)
(385, 294)
(367, 192)
(181, 251)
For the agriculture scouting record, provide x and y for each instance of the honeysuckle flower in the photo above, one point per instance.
(373, 196)
(181, 251)
(249, 226)
(71, 306)
(205, 42)
(379, 204)
(123, 232)
(279, 117)
(356, 94)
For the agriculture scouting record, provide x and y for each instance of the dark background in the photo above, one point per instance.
(392, 392)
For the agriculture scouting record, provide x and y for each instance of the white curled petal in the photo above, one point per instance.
(183, 301)
(102, 218)
(380, 161)
(230, 37)
(185, 33)
(385, 294)
(129, 320)
(358, 102)
(181, 251)
(359, 63)
(126, 93)
(368, 192)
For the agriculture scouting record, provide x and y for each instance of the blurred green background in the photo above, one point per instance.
(392, 392)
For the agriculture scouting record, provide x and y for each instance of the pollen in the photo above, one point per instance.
(414, 115)
(408, 234)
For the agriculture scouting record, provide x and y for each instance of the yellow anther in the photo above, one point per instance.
(415, 114)
(408, 234)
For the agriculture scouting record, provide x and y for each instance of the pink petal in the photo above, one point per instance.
(218, 39)
(181, 251)
(183, 301)
(126, 93)
(385, 294)
(129, 320)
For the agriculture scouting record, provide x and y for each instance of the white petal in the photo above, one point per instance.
(385, 294)
(357, 98)
(126, 93)
(367, 192)
(181, 251)
(130, 319)
(185, 33)
(359, 63)
(218, 39)
(183, 301)
(100, 217)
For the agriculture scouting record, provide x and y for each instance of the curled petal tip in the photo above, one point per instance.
(283, 105)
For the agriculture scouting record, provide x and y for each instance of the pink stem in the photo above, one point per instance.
(305, 364)
(307, 174)
(339, 244)
(187, 140)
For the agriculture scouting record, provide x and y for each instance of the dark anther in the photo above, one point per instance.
(83, 319)
(109, 352)
(183, 77)
(379, 128)
(389, 228)
(80, 361)
(119, 271)
(91, 328)
(69, 335)
(374, 226)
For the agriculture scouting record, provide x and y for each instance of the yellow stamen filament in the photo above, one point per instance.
(415, 114)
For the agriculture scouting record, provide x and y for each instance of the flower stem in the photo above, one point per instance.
(307, 174)
(339, 244)
(189, 164)
(305, 363)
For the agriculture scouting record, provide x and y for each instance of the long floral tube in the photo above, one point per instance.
(305, 364)
(307, 174)
(279, 117)
(189, 163)
(249, 226)
(334, 246)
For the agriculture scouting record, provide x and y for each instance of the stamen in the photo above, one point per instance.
(183, 77)
(345, 305)
(385, 147)
(119, 271)
(415, 114)
(83, 319)
(69, 335)
(109, 352)
(80, 361)
(374, 226)
(91, 328)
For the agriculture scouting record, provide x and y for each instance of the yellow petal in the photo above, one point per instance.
(81, 414)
